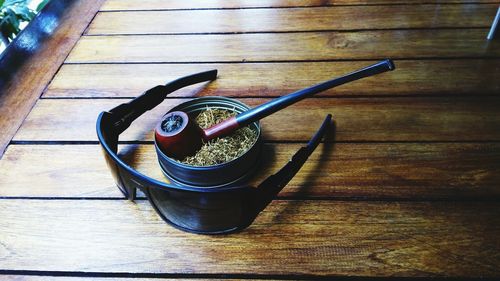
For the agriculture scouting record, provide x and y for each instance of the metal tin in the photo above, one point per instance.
(232, 172)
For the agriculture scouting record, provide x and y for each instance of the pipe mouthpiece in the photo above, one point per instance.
(390, 64)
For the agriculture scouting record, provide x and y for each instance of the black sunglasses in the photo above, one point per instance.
(198, 210)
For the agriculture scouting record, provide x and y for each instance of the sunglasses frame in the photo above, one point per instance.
(110, 124)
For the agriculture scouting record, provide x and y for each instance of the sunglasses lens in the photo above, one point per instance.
(200, 212)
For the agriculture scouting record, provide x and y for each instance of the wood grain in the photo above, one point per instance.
(413, 77)
(322, 238)
(357, 119)
(285, 46)
(21, 92)
(407, 187)
(93, 278)
(296, 19)
(117, 5)
(410, 171)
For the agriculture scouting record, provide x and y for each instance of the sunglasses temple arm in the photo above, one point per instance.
(126, 113)
(271, 186)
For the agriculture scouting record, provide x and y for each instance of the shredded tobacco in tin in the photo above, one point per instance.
(220, 150)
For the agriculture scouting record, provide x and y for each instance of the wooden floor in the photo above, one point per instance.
(408, 186)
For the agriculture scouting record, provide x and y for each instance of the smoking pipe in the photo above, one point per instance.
(178, 136)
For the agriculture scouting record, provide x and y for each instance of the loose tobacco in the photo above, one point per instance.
(220, 150)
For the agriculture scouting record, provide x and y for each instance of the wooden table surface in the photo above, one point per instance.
(408, 186)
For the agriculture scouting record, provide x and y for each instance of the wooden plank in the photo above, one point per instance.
(21, 91)
(284, 46)
(297, 19)
(414, 171)
(313, 238)
(357, 119)
(118, 5)
(56, 171)
(93, 278)
(413, 77)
